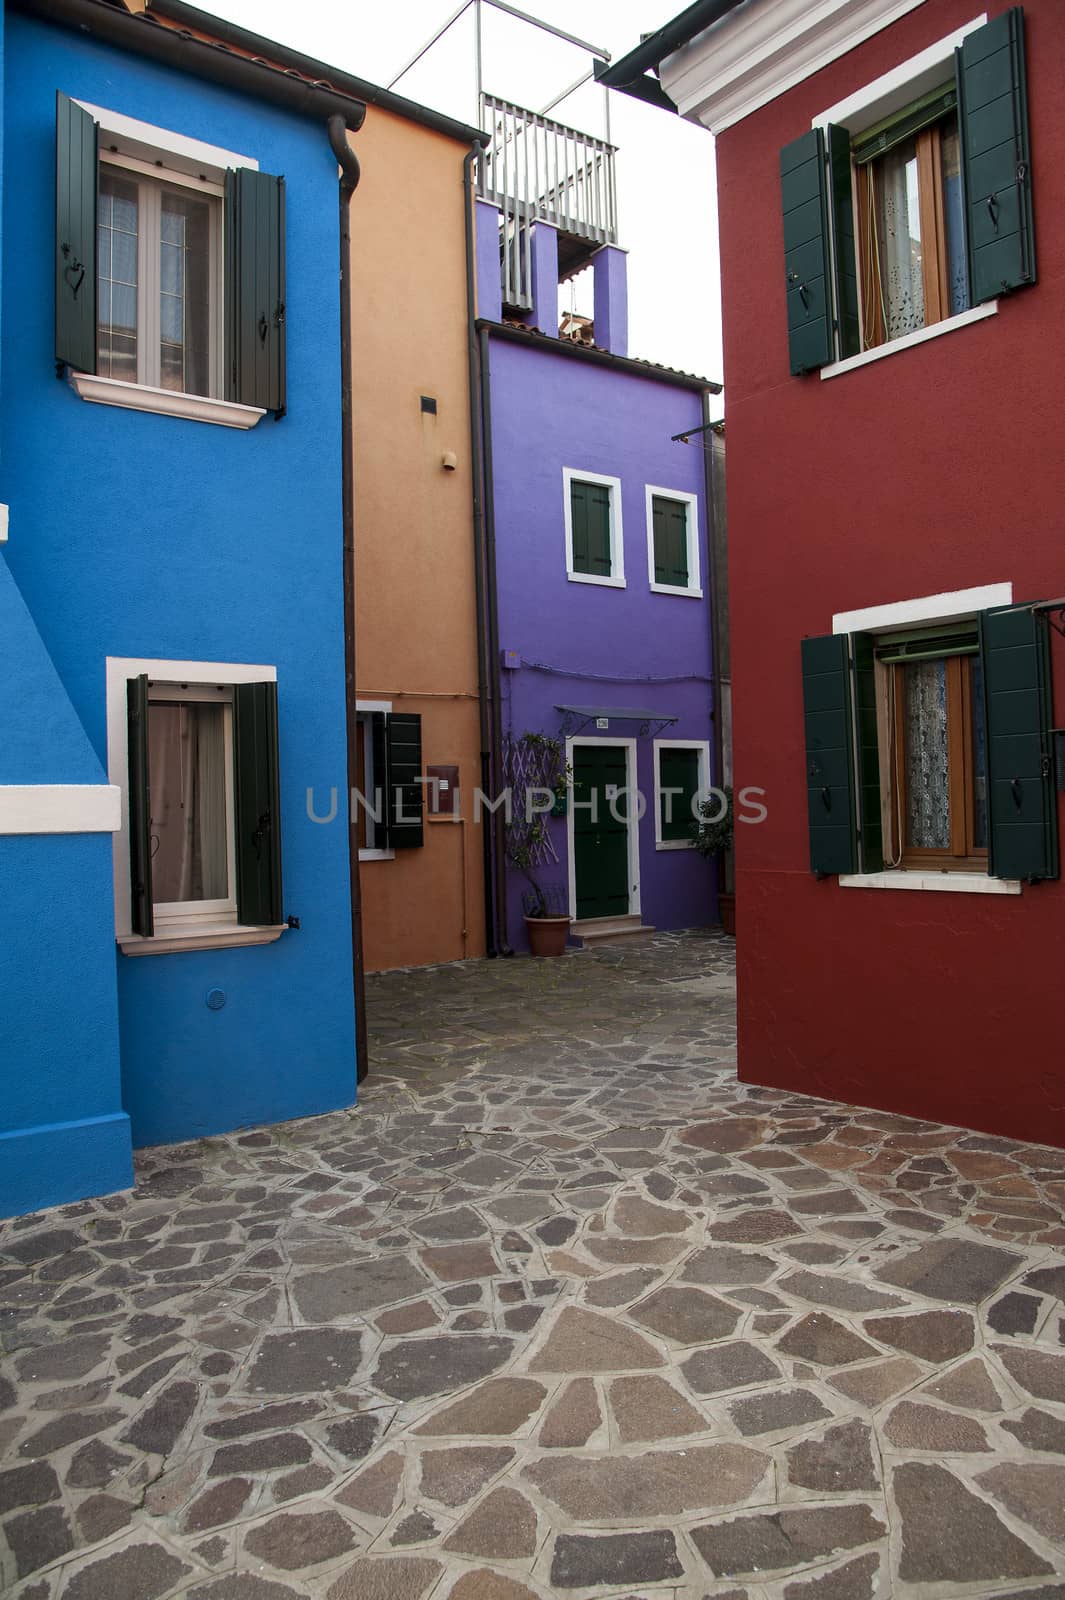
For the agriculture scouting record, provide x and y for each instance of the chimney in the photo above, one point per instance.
(489, 286)
(611, 303)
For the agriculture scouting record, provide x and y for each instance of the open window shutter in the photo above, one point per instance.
(993, 122)
(846, 269)
(578, 506)
(1022, 802)
(140, 808)
(379, 798)
(670, 529)
(406, 796)
(75, 235)
(829, 755)
(807, 254)
(871, 827)
(257, 804)
(255, 289)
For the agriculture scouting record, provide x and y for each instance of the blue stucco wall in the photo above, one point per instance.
(146, 536)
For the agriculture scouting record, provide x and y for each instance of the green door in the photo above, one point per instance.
(600, 839)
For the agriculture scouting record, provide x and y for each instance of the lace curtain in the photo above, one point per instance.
(898, 225)
(190, 859)
(927, 769)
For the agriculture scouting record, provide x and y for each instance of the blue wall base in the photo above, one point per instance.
(58, 1162)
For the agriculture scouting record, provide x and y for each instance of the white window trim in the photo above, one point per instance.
(929, 608)
(907, 341)
(694, 589)
(703, 747)
(371, 706)
(208, 934)
(180, 916)
(629, 746)
(164, 402)
(146, 142)
(59, 808)
(617, 541)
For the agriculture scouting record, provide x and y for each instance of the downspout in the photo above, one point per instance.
(498, 853)
(350, 173)
(711, 551)
(476, 461)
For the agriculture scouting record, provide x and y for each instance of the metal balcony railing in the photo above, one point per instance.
(535, 169)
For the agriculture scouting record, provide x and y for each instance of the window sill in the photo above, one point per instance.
(376, 855)
(908, 340)
(669, 588)
(588, 577)
(172, 942)
(164, 402)
(951, 882)
(674, 844)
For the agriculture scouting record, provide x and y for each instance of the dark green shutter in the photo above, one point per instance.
(807, 255)
(590, 527)
(846, 270)
(255, 289)
(678, 768)
(829, 755)
(871, 827)
(378, 839)
(993, 123)
(140, 807)
(257, 804)
(406, 796)
(669, 524)
(1022, 801)
(75, 235)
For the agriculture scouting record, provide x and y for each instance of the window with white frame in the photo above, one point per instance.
(594, 545)
(682, 782)
(390, 802)
(673, 542)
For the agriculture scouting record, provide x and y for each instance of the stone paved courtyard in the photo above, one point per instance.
(561, 1310)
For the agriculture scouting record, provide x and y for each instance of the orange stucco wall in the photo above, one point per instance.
(414, 564)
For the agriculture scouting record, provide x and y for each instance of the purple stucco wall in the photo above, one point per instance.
(606, 646)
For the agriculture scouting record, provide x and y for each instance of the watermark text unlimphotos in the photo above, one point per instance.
(619, 802)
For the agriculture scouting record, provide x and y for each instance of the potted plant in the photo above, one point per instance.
(538, 761)
(714, 838)
(546, 917)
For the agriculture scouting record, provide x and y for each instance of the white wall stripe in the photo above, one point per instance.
(60, 808)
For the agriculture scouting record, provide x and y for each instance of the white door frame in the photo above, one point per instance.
(633, 829)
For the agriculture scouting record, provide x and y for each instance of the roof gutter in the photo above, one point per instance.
(632, 73)
(214, 62)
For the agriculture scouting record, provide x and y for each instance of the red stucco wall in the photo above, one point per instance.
(937, 468)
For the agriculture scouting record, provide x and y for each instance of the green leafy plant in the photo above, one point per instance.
(714, 828)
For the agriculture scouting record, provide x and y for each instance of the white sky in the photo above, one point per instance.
(667, 203)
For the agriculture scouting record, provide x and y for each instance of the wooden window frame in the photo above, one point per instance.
(934, 244)
(963, 855)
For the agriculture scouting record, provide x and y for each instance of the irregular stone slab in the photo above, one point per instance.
(159, 1428)
(871, 1386)
(222, 1502)
(38, 1537)
(37, 1247)
(1041, 1373)
(643, 1219)
(771, 1413)
(968, 1386)
(70, 1358)
(140, 1572)
(101, 1515)
(820, 1338)
(827, 1203)
(408, 1319)
(727, 1268)
(659, 1483)
(573, 1418)
(770, 1542)
(449, 1225)
(584, 1341)
(66, 1430)
(648, 1409)
(1033, 1491)
(500, 1406)
(726, 1134)
(1038, 1430)
(687, 1316)
(1047, 1280)
(951, 1269)
(485, 1585)
(454, 1477)
(352, 1290)
(501, 1528)
(415, 1529)
(304, 1359)
(618, 1288)
(842, 1294)
(374, 1489)
(1014, 1313)
(458, 1263)
(841, 1459)
(950, 1536)
(912, 1426)
(629, 1252)
(261, 1455)
(755, 1227)
(243, 1586)
(581, 1561)
(728, 1366)
(264, 1419)
(355, 1436)
(293, 1540)
(852, 1581)
(32, 1485)
(935, 1336)
(421, 1367)
(393, 1578)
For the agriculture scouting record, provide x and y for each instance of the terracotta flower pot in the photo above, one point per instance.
(547, 935)
(727, 907)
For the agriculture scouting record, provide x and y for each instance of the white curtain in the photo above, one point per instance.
(188, 799)
(898, 224)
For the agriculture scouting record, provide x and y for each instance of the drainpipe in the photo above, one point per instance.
(490, 930)
(711, 549)
(350, 173)
(498, 853)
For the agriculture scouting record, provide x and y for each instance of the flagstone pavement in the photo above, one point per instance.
(560, 1310)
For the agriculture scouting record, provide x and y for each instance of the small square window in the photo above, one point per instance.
(594, 547)
(682, 781)
(190, 764)
(673, 542)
